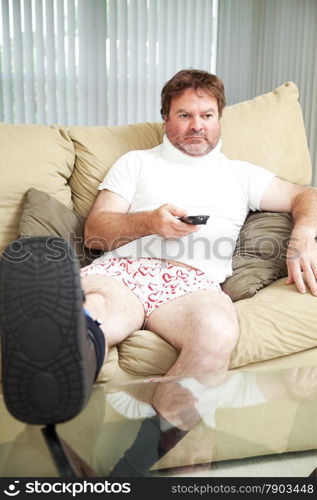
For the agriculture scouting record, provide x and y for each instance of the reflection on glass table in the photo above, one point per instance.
(119, 434)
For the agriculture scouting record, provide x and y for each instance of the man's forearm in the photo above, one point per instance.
(106, 230)
(304, 212)
(111, 230)
(301, 255)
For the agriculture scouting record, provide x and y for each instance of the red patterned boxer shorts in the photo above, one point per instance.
(152, 280)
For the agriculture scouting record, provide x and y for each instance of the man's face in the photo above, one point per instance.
(192, 125)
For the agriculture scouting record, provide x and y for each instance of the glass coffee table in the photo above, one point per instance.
(118, 434)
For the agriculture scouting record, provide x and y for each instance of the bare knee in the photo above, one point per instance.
(214, 337)
(215, 321)
(221, 332)
(212, 351)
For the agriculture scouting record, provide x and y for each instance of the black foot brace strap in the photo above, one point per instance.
(98, 339)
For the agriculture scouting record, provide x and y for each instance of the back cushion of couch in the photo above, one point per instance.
(267, 130)
(31, 156)
(97, 148)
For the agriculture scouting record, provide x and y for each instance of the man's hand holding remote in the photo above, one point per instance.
(166, 222)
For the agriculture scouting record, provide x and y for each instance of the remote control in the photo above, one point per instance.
(194, 219)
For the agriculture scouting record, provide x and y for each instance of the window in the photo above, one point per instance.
(98, 62)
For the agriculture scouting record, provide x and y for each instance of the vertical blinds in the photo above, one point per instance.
(264, 43)
(98, 62)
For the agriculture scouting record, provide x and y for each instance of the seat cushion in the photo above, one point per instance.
(37, 156)
(275, 322)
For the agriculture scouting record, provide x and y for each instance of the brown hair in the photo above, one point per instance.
(194, 79)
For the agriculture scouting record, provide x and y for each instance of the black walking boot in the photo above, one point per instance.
(51, 350)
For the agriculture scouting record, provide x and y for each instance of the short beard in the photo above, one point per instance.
(195, 149)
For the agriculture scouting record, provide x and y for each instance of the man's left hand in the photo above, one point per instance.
(302, 256)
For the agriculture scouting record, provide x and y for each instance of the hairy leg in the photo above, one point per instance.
(203, 327)
(111, 302)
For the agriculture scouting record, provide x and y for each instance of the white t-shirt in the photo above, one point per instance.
(209, 185)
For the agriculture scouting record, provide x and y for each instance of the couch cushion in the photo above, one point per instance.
(43, 215)
(97, 148)
(31, 156)
(277, 321)
(269, 131)
(260, 254)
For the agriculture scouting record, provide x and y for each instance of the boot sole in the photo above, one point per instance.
(42, 331)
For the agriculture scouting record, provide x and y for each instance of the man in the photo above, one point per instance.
(153, 274)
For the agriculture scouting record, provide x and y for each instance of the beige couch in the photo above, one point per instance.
(278, 325)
